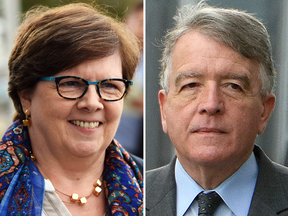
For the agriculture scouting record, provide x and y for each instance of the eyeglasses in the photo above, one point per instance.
(73, 88)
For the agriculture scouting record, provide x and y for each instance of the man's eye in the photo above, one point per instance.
(190, 85)
(235, 86)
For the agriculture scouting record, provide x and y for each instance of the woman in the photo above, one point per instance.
(69, 71)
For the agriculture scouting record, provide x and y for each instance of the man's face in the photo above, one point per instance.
(213, 110)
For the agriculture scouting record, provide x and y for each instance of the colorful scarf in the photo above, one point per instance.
(22, 185)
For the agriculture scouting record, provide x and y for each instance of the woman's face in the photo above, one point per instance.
(53, 117)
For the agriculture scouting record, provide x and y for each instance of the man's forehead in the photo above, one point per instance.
(196, 53)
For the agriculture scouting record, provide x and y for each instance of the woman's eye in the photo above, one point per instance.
(108, 85)
(71, 84)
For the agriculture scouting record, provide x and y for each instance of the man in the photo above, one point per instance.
(217, 77)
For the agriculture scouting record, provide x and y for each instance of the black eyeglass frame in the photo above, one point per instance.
(87, 83)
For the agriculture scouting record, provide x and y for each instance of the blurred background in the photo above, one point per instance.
(273, 14)
(130, 133)
(158, 19)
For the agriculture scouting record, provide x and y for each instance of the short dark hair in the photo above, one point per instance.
(51, 40)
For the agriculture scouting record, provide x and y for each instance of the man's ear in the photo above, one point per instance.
(268, 103)
(162, 100)
(25, 98)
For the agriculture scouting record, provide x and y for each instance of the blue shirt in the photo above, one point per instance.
(236, 191)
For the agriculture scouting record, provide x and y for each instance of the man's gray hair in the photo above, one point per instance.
(236, 29)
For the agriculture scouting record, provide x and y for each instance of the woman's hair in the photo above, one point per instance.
(236, 29)
(52, 40)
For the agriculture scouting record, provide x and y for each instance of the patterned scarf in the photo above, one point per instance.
(22, 186)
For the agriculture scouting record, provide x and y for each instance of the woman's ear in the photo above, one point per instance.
(25, 98)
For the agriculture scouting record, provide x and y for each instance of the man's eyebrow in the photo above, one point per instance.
(242, 77)
(185, 75)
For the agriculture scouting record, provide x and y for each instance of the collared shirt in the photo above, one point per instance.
(236, 191)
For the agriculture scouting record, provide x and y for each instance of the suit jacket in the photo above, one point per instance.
(270, 196)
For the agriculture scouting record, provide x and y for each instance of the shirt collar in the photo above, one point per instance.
(187, 189)
(244, 180)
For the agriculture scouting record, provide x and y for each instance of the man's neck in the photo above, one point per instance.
(210, 176)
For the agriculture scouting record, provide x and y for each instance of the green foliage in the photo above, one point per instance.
(115, 8)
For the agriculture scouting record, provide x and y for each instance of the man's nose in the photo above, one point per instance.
(211, 100)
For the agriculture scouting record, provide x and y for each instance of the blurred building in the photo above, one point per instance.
(9, 20)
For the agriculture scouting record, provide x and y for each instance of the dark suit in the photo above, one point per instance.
(270, 196)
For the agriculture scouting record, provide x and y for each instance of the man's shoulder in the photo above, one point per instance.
(161, 181)
(160, 173)
(269, 167)
(153, 173)
(271, 191)
(269, 171)
(161, 190)
(282, 172)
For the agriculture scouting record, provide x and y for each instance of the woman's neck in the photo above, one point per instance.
(75, 175)
(78, 174)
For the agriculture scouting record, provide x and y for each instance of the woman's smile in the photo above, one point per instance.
(84, 124)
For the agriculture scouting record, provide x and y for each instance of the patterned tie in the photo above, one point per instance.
(208, 203)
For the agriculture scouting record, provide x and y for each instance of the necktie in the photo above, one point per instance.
(208, 203)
